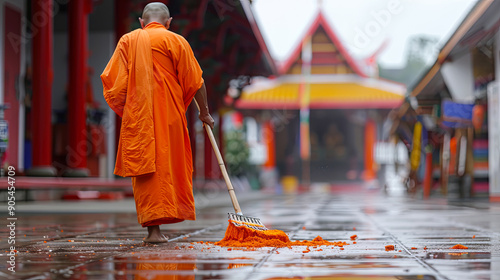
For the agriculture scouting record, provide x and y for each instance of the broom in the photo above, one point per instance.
(237, 218)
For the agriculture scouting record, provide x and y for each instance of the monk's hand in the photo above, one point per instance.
(206, 118)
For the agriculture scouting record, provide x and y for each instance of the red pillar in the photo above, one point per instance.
(370, 138)
(42, 89)
(270, 144)
(78, 41)
(428, 175)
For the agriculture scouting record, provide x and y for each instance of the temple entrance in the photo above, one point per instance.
(337, 145)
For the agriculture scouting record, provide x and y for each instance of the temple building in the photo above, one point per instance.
(324, 111)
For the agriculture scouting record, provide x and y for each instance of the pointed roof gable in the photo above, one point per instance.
(321, 25)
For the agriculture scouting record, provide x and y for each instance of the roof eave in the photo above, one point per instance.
(321, 20)
(258, 35)
(473, 16)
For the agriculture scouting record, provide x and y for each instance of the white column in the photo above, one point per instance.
(496, 55)
(494, 127)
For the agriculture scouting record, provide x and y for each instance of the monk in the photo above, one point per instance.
(149, 82)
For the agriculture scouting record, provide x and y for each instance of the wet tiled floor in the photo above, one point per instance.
(75, 245)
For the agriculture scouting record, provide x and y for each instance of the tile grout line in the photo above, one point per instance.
(265, 258)
(31, 243)
(393, 237)
(68, 269)
(210, 228)
(477, 228)
(299, 226)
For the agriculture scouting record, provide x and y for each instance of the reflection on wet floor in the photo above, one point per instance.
(357, 277)
(109, 246)
(165, 271)
(462, 255)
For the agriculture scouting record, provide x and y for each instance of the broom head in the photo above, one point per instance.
(240, 220)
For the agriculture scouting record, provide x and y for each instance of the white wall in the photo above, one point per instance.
(459, 78)
(101, 45)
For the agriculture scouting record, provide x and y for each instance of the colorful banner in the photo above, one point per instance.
(417, 149)
(305, 144)
(457, 114)
(305, 96)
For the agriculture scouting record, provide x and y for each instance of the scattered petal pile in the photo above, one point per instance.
(389, 248)
(459, 246)
(246, 237)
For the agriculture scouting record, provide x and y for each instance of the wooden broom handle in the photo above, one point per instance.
(230, 188)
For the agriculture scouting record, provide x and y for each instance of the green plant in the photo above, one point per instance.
(236, 153)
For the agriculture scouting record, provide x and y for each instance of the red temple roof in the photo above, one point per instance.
(321, 21)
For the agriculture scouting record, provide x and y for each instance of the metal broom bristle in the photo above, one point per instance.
(250, 222)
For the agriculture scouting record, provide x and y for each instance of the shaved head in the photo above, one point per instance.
(156, 11)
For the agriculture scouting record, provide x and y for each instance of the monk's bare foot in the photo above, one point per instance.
(155, 235)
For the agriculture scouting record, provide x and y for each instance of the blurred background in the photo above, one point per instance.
(400, 95)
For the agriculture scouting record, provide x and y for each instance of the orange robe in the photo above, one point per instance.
(159, 269)
(150, 81)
